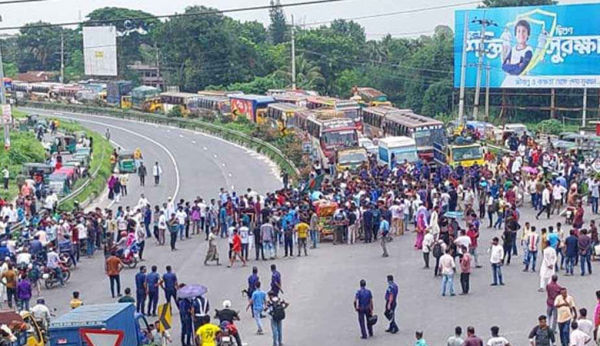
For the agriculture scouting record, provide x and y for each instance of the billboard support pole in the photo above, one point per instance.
(584, 114)
(5, 123)
(481, 50)
(487, 92)
(463, 71)
(552, 103)
(62, 56)
(293, 55)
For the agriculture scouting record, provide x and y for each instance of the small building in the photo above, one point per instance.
(149, 75)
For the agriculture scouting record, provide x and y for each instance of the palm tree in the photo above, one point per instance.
(308, 74)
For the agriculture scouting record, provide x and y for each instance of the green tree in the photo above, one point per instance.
(514, 3)
(38, 48)
(278, 26)
(308, 74)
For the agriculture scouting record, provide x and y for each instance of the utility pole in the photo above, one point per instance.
(552, 103)
(487, 92)
(158, 86)
(463, 71)
(481, 51)
(62, 57)
(584, 114)
(6, 113)
(293, 55)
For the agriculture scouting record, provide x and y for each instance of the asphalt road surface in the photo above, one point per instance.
(320, 287)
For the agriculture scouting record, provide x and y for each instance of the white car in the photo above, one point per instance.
(366, 143)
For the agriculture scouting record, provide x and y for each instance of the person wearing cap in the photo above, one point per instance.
(391, 294)
(230, 316)
(363, 304)
(41, 313)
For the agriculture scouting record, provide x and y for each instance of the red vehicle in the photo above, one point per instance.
(329, 131)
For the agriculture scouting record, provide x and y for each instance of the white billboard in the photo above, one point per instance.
(100, 50)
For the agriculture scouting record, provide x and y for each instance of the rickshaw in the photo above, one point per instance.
(79, 135)
(83, 150)
(24, 327)
(126, 162)
(59, 183)
(63, 143)
(84, 159)
(325, 211)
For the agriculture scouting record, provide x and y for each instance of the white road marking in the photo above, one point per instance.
(180, 136)
(171, 156)
(205, 148)
(193, 142)
(223, 165)
(215, 155)
(230, 175)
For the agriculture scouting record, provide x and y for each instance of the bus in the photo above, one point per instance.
(279, 114)
(425, 131)
(252, 107)
(294, 99)
(350, 108)
(372, 119)
(172, 99)
(397, 150)
(369, 97)
(204, 104)
(329, 132)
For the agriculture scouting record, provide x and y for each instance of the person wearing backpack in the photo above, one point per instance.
(276, 307)
(438, 250)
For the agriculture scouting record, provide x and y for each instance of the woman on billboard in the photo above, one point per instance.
(518, 57)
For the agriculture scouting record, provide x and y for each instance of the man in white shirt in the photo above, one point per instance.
(427, 246)
(496, 258)
(448, 267)
(548, 266)
(181, 216)
(245, 237)
(497, 340)
(546, 203)
(397, 218)
(531, 244)
(463, 240)
(586, 326)
(156, 172)
(557, 196)
(578, 337)
(142, 202)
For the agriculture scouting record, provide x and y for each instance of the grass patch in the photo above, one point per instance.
(24, 148)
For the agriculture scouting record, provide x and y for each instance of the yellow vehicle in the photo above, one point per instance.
(24, 327)
(351, 159)
(126, 102)
(152, 106)
(465, 153)
(280, 115)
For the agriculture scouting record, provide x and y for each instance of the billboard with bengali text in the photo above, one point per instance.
(100, 50)
(531, 47)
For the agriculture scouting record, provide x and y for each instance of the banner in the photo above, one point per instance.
(100, 50)
(531, 47)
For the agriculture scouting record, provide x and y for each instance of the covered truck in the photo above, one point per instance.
(64, 331)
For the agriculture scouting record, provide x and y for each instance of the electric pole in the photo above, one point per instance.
(487, 92)
(463, 71)
(481, 51)
(62, 57)
(6, 113)
(584, 114)
(293, 55)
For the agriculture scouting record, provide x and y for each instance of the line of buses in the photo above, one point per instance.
(332, 128)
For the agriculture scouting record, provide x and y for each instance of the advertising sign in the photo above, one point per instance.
(100, 50)
(531, 47)
(241, 107)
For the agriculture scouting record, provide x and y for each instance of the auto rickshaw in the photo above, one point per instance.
(127, 162)
(59, 183)
(83, 159)
(63, 143)
(325, 211)
(83, 150)
(79, 135)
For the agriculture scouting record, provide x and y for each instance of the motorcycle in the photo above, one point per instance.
(227, 335)
(130, 257)
(50, 278)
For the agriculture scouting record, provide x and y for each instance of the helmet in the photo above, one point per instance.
(41, 301)
(226, 304)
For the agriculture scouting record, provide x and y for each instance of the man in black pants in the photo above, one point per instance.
(546, 203)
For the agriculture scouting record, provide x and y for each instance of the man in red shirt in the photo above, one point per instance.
(236, 249)
(552, 291)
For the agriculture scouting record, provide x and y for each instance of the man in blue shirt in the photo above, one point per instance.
(140, 290)
(275, 280)
(252, 281)
(152, 284)
(169, 284)
(384, 228)
(257, 303)
(363, 304)
(571, 251)
(390, 304)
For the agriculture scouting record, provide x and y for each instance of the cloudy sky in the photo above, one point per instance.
(408, 24)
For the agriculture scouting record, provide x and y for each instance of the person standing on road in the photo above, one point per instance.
(113, 270)
(169, 285)
(496, 259)
(448, 267)
(597, 316)
(152, 285)
(107, 134)
(465, 270)
(585, 249)
(546, 203)
(302, 234)
(566, 311)
(258, 301)
(456, 339)
(142, 173)
(275, 280)
(252, 281)
(268, 238)
(384, 228)
(542, 334)
(6, 176)
(548, 267)
(586, 326)
(552, 291)
(173, 227)
(391, 295)
(496, 339)
(276, 307)
(363, 304)
(531, 244)
(472, 339)
(157, 173)
(428, 242)
(140, 290)
(578, 337)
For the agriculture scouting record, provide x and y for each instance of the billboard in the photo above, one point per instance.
(100, 50)
(531, 47)
(241, 107)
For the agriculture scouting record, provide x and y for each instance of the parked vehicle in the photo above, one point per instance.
(351, 159)
(397, 150)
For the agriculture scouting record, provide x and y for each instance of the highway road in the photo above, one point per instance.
(319, 287)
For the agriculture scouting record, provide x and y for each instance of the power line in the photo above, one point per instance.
(8, 2)
(415, 10)
(170, 16)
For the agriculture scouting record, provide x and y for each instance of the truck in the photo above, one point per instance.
(65, 331)
(462, 151)
(397, 150)
(116, 90)
(351, 159)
